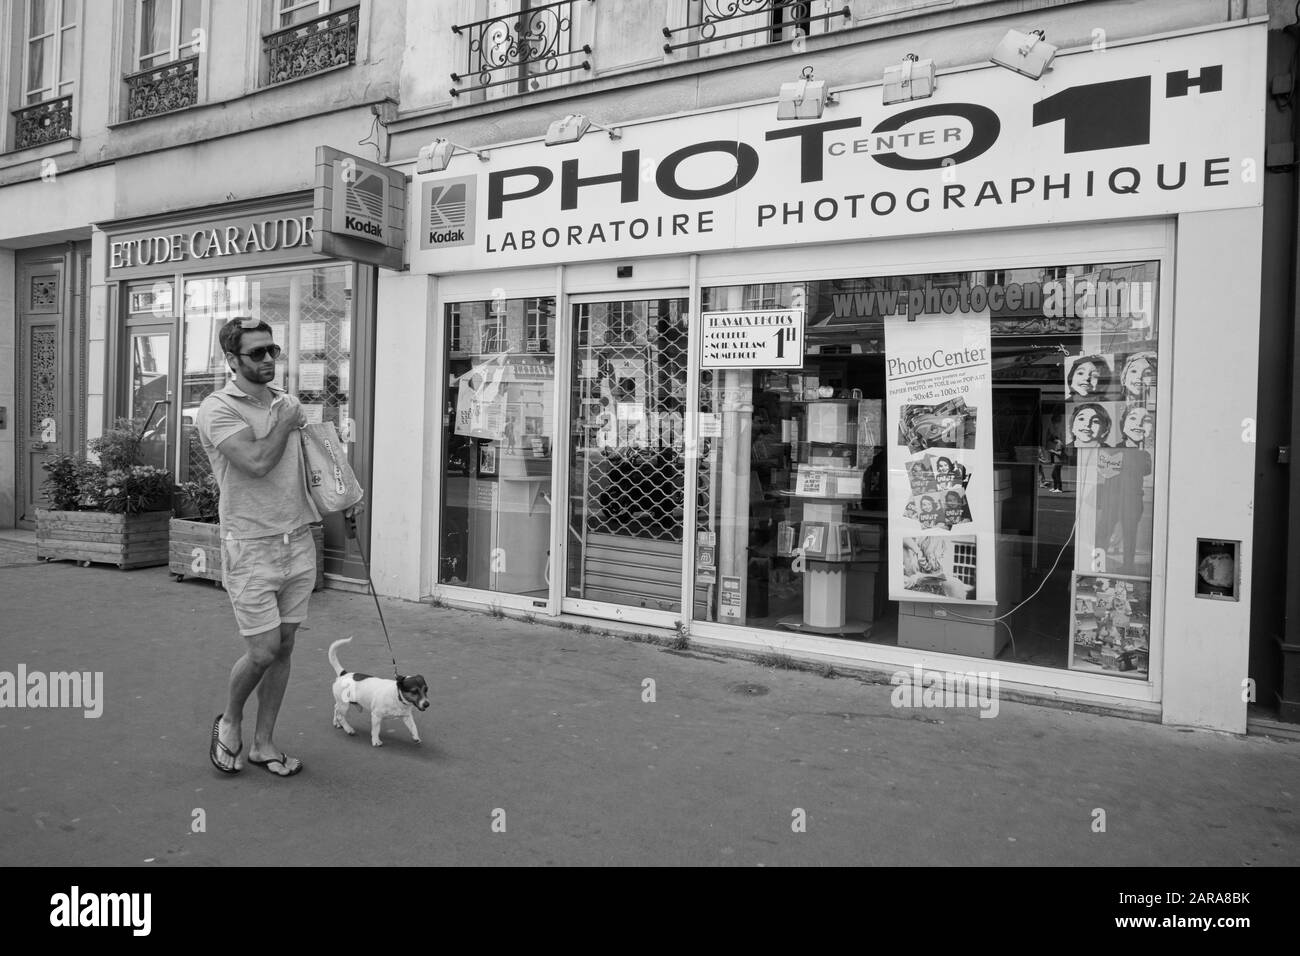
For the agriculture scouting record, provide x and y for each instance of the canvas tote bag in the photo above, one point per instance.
(330, 481)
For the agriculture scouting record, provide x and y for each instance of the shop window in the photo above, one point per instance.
(958, 462)
(498, 435)
(50, 61)
(164, 74)
(306, 37)
(522, 45)
(148, 384)
(311, 319)
(707, 27)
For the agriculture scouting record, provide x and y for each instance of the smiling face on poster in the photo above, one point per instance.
(1137, 377)
(938, 377)
(1091, 424)
(1088, 377)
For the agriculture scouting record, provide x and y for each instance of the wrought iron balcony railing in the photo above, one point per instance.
(313, 46)
(42, 123)
(521, 47)
(721, 19)
(162, 89)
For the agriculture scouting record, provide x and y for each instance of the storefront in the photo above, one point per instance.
(174, 281)
(919, 385)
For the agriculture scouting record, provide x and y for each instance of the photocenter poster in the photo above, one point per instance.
(938, 428)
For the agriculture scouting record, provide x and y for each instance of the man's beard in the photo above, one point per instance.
(254, 373)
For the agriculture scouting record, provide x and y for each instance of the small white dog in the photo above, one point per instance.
(381, 697)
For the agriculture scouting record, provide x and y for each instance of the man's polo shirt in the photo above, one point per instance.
(250, 507)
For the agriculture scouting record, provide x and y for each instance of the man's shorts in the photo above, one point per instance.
(269, 579)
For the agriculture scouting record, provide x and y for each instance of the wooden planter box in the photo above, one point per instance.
(188, 538)
(129, 541)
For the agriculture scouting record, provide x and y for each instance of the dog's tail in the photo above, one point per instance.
(334, 657)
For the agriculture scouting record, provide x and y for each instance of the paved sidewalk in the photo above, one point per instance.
(547, 728)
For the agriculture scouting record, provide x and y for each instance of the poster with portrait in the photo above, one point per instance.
(1090, 378)
(1110, 625)
(938, 395)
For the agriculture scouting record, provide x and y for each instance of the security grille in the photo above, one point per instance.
(629, 464)
(630, 415)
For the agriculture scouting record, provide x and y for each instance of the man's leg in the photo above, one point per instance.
(247, 673)
(270, 694)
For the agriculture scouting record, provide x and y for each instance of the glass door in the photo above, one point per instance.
(150, 386)
(626, 454)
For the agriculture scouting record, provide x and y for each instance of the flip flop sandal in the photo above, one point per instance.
(283, 760)
(216, 742)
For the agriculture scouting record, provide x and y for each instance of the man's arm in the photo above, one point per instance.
(257, 456)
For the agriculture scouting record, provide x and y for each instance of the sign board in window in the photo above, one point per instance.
(766, 339)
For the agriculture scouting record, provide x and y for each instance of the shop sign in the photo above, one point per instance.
(229, 243)
(767, 339)
(360, 209)
(939, 432)
(1138, 130)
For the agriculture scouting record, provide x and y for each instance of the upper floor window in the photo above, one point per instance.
(169, 30)
(51, 49)
(293, 12)
(522, 45)
(714, 26)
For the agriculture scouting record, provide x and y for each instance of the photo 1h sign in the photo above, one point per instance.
(360, 210)
(766, 339)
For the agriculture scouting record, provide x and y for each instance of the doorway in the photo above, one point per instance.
(50, 338)
(627, 466)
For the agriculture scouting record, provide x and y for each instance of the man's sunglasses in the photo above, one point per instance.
(260, 352)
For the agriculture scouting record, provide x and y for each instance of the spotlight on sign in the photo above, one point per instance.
(573, 127)
(435, 157)
(912, 79)
(805, 98)
(1029, 54)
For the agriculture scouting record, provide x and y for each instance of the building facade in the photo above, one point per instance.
(782, 339)
(917, 382)
(156, 174)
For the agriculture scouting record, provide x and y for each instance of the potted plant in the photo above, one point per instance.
(194, 539)
(110, 511)
(194, 548)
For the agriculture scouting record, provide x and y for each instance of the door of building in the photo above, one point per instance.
(42, 423)
(626, 458)
(150, 388)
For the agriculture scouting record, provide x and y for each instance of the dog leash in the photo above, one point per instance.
(351, 521)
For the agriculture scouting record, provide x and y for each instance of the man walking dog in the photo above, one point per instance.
(249, 430)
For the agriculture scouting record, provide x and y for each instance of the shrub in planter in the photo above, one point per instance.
(194, 543)
(111, 511)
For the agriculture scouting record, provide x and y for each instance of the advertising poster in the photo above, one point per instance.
(770, 339)
(938, 431)
(481, 402)
(1110, 629)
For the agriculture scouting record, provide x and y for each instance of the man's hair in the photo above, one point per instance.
(232, 332)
